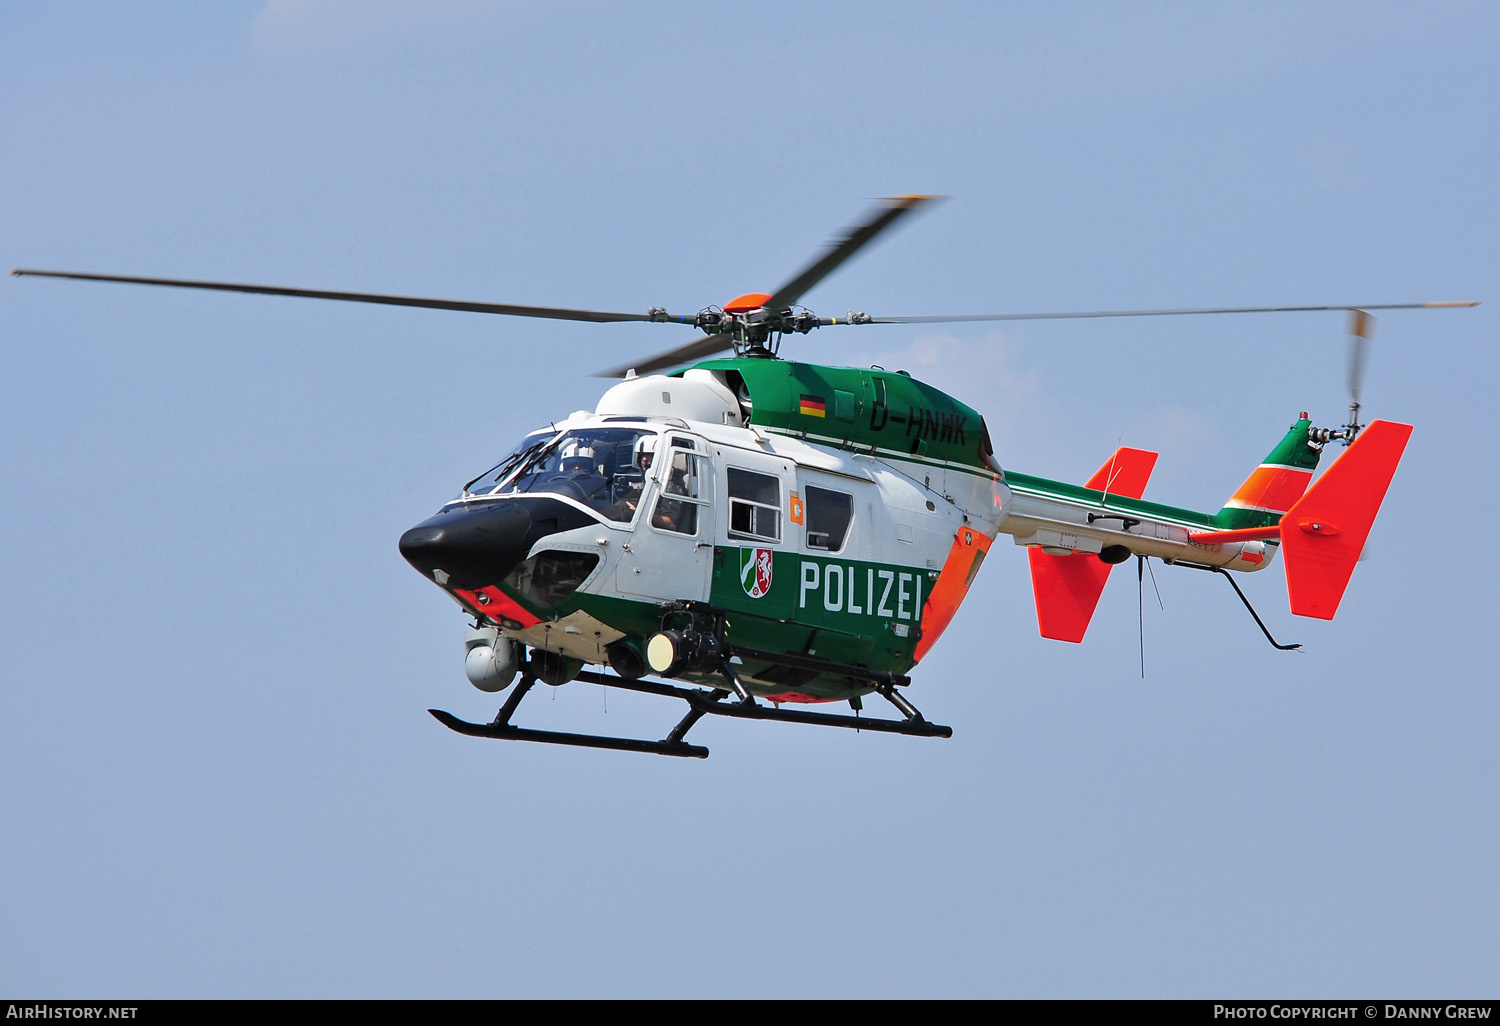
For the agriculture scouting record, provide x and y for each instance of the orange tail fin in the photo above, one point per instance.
(1067, 588)
(1325, 531)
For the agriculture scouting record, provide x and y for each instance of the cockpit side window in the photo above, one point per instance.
(682, 492)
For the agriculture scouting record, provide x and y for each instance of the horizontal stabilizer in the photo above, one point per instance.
(1067, 588)
(1324, 532)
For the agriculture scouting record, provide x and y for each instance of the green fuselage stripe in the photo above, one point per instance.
(1059, 491)
(879, 453)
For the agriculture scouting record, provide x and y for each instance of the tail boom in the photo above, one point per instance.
(1074, 535)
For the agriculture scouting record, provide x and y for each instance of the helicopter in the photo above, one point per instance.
(756, 536)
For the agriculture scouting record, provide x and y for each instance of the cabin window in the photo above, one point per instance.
(829, 515)
(754, 505)
(677, 509)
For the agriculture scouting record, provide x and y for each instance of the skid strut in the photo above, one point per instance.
(733, 699)
(1294, 647)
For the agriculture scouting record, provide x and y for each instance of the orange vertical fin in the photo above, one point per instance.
(1125, 474)
(1324, 532)
(1067, 588)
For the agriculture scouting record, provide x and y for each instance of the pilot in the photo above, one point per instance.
(624, 508)
(669, 515)
(578, 466)
(675, 514)
(630, 483)
(578, 476)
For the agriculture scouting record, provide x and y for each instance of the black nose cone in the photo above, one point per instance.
(470, 548)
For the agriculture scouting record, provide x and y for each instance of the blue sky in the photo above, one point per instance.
(220, 777)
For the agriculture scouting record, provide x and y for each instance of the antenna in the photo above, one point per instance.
(1140, 603)
(1140, 607)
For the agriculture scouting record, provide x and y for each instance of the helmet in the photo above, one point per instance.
(645, 449)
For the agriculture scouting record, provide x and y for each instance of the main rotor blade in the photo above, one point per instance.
(707, 345)
(552, 312)
(1080, 314)
(890, 208)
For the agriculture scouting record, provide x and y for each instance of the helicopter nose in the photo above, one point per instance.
(469, 548)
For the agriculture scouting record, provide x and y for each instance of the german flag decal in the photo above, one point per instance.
(812, 406)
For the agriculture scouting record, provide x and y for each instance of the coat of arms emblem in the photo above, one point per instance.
(755, 571)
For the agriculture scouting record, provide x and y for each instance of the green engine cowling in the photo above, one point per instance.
(884, 412)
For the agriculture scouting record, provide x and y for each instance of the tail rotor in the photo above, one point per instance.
(1361, 328)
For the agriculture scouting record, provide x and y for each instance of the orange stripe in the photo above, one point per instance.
(952, 586)
(496, 605)
(1271, 487)
(1243, 534)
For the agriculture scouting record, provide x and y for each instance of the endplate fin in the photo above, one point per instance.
(1067, 588)
(1324, 532)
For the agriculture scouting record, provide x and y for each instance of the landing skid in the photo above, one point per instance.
(507, 732)
(731, 700)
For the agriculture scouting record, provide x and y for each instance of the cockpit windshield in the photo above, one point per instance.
(604, 468)
(528, 447)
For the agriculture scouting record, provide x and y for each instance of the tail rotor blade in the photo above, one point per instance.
(1361, 328)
